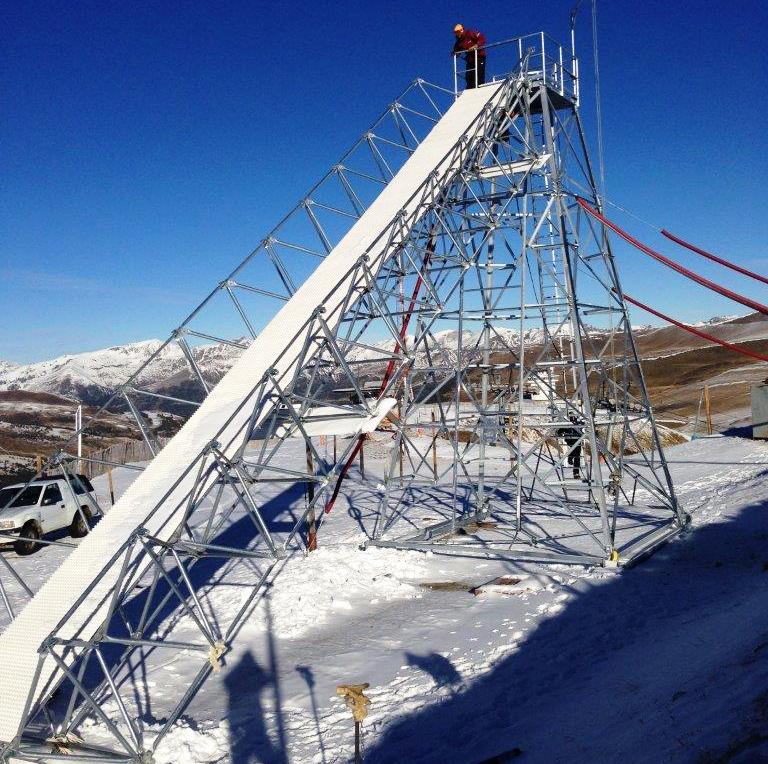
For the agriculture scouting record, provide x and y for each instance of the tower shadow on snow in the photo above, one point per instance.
(625, 671)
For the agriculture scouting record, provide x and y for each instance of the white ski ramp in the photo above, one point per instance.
(21, 643)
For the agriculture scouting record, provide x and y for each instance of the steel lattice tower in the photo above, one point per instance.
(544, 364)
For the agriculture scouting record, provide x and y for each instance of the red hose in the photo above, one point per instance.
(757, 306)
(697, 332)
(714, 258)
(387, 375)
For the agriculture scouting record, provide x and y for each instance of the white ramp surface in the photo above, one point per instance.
(21, 642)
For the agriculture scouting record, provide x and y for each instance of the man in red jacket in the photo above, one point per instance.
(471, 43)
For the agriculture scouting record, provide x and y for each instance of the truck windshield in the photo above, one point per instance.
(28, 497)
(81, 484)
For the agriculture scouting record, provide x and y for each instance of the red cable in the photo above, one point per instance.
(712, 257)
(757, 306)
(387, 375)
(697, 332)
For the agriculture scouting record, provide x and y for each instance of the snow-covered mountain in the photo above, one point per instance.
(7, 366)
(716, 320)
(671, 339)
(92, 376)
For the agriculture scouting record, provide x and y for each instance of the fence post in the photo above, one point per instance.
(708, 407)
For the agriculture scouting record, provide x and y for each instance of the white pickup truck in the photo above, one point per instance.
(44, 506)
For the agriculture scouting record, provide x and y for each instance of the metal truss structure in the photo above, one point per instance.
(84, 696)
(554, 452)
(484, 337)
(252, 292)
(270, 275)
(238, 304)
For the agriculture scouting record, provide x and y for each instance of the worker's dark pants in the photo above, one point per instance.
(474, 77)
(574, 458)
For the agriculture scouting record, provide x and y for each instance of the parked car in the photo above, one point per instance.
(45, 506)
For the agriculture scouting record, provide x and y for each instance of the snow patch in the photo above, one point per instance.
(184, 743)
(331, 581)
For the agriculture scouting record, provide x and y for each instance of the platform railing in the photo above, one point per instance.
(546, 60)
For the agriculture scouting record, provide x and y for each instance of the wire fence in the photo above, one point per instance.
(97, 462)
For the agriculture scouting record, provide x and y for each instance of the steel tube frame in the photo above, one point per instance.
(571, 307)
(138, 557)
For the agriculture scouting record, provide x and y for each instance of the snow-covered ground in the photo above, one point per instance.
(666, 661)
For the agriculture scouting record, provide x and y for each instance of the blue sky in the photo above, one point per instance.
(147, 147)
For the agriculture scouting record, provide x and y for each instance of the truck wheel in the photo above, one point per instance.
(27, 538)
(79, 527)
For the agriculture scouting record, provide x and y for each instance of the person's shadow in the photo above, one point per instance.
(247, 684)
(437, 666)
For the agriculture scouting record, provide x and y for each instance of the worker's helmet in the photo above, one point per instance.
(459, 28)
